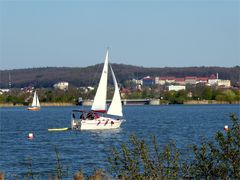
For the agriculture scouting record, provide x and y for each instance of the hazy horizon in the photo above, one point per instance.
(77, 33)
(117, 64)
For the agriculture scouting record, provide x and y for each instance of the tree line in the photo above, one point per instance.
(198, 93)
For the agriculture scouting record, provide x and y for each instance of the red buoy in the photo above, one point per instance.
(226, 128)
(30, 135)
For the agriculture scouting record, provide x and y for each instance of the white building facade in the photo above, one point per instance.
(225, 83)
(176, 88)
(61, 85)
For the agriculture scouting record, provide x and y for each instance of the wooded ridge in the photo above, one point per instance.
(89, 76)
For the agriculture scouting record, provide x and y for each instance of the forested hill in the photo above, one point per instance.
(89, 76)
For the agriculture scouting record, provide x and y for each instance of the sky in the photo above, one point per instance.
(76, 33)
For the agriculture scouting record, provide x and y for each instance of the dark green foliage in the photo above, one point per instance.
(45, 95)
(176, 97)
(207, 93)
(30, 174)
(228, 95)
(228, 149)
(61, 170)
(16, 96)
(219, 159)
(138, 161)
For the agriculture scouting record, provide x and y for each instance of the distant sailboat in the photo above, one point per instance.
(35, 103)
(92, 120)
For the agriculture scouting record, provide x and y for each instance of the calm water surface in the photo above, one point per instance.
(186, 124)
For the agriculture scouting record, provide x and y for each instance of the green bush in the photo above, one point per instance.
(211, 160)
(138, 161)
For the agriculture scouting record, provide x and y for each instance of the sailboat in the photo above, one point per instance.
(35, 103)
(101, 117)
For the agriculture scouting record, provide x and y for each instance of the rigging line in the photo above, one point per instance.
(36, 99)
(94, 79)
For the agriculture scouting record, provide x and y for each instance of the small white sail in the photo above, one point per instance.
(99, 102)
(35, 102)
(116, 106)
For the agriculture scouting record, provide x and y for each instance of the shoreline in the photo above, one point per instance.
(209, 102)
(42, 104)
(190, 102)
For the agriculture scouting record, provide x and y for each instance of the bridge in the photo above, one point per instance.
(134, 101)
(124, 102)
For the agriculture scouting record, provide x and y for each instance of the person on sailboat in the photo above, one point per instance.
(83, 116)
(90, 115)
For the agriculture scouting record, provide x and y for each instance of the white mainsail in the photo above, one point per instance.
(99, 102)
(35, 102)
(116, 106)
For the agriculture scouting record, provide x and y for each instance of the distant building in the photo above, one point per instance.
(148, 81)
(136, 81)
(160, 80)
(124, 92)
(83, 89)
(191, 80)
(4, 91)
(212, 80)
(61, 85)
(90, 88)
(215, 81)
(180, 81)
(225, 83)
(176, 88)
(202, 80)
(164, 80)
(170, 79)
(28, 89)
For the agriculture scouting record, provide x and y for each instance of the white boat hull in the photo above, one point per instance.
(96, 124)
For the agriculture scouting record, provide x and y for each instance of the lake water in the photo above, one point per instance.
(186, 124)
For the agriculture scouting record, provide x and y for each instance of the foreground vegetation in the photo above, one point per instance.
(211, 160)
(137, 159)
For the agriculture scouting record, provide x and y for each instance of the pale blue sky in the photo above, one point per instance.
(145, 33)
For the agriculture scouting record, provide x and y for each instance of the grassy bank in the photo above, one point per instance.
(210, 102)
